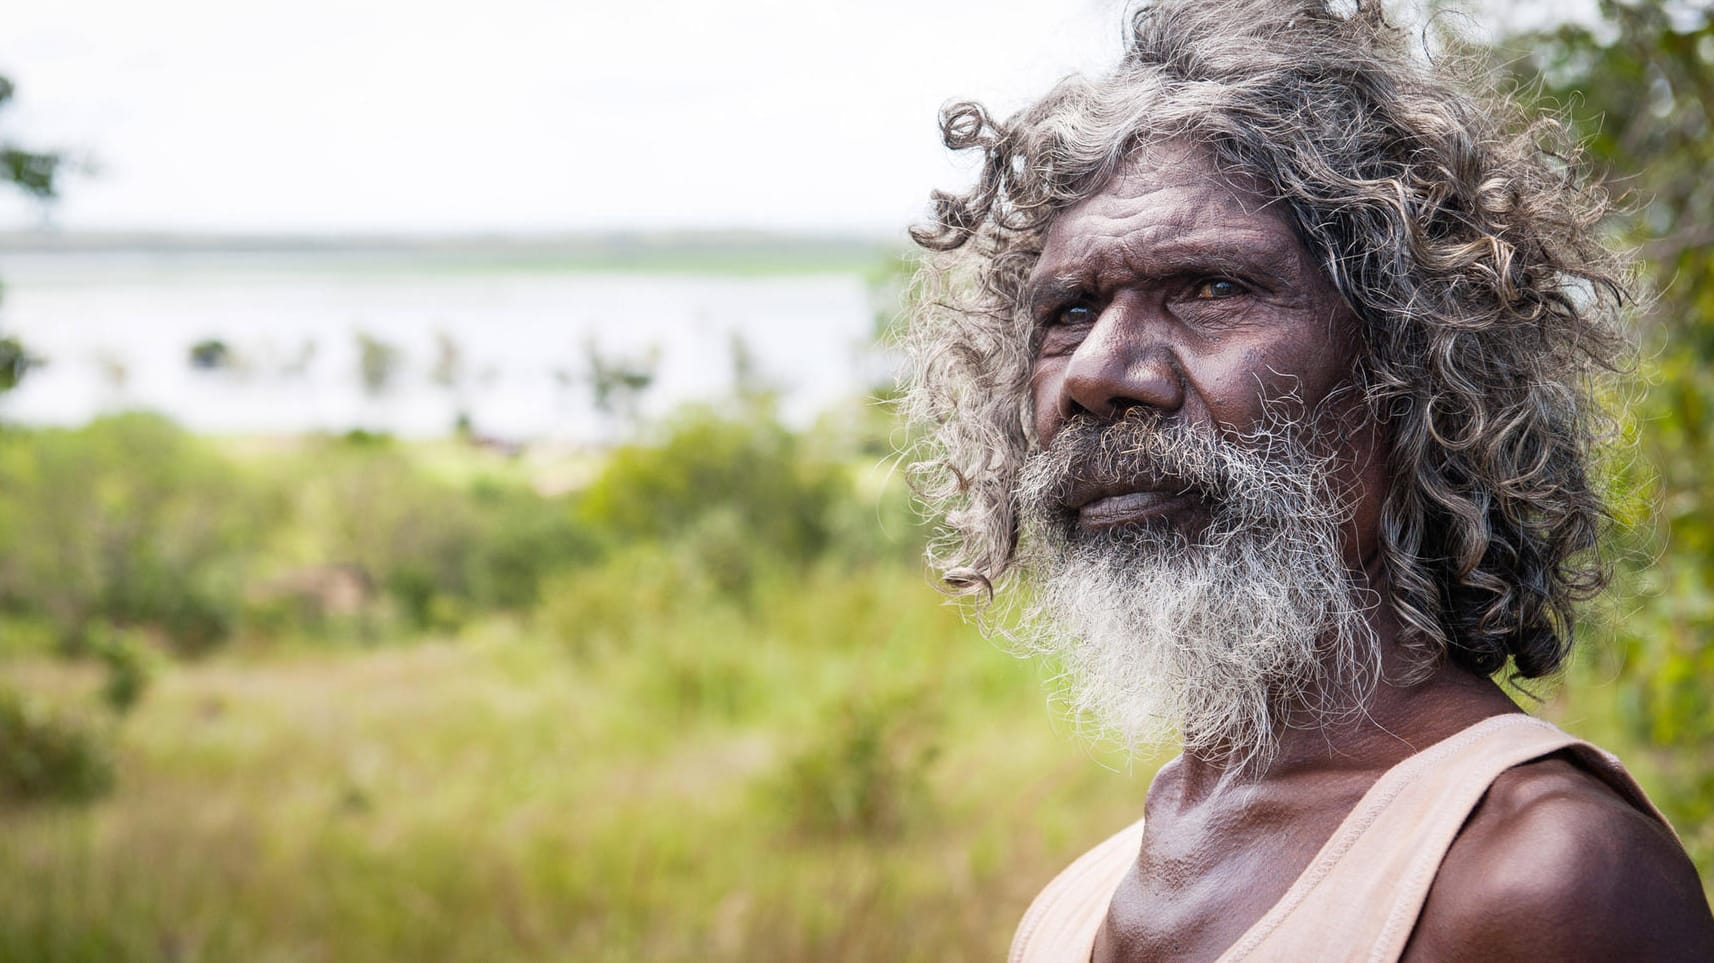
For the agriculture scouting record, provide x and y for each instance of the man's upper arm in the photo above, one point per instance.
(1553, 865)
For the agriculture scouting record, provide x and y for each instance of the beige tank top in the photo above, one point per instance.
(1359, 898)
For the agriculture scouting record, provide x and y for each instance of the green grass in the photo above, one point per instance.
(736, 725)
(836, 768)
(695, 790)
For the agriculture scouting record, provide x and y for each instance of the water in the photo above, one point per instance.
(507, 347)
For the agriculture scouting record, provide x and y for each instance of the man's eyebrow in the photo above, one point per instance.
(1249, 257)
(1055, 289)
(1250, 254)
(1244, 254)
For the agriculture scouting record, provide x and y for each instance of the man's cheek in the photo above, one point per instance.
(1044, 402)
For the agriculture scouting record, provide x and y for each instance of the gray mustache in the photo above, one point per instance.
(1089, 458)
(1267, 476)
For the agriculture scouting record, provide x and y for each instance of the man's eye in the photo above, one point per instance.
(1076, 314)
(1214, 289)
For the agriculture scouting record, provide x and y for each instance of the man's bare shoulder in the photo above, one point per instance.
(1554, 865)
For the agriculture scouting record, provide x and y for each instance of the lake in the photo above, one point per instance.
(508, 346)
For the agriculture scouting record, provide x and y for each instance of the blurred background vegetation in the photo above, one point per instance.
(349, 697)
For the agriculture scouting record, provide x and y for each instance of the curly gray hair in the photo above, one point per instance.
(1462, 234)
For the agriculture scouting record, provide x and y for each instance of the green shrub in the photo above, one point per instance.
(864, 771)
(631, 596)
(44, 757)
(751, 470)
(125, 657)
(527, 538)
(367, 505)
(441, 551)
(128, 521)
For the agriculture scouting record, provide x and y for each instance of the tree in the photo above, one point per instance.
(617, 383)
(211, 354)
(377, 363)
(34, 173)
(15, 361)
(1638, 87)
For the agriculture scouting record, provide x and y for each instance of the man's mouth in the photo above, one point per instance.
(1110, 507)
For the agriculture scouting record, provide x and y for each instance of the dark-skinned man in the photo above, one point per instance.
(1268, 363)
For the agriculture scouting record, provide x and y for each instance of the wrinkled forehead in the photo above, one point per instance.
(1183, 179)
(1169, 199)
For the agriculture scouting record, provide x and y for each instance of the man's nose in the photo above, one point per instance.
(1124, 361)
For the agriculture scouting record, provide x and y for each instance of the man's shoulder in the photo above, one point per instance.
(1554, 864)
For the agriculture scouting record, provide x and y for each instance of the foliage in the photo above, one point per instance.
(740, 488)
(492, 798)
(865, 769)
(365, 520)
(1639, 89)
(604, 609)
(126, 658)
(617, 384)
(130, 524)
(44, 756)
(211, 354)
(15, 362)
(34, 173)
(526, 539)
(378, 363)
(367, 506)
(128, 521)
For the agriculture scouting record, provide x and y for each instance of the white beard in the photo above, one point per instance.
(1217, 637)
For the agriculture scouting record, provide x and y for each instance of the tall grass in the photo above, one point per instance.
(837, 770)
(703, 707)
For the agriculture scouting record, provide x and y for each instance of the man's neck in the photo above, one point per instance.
(1402, 714)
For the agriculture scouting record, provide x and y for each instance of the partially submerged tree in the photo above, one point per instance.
(378, 363)
(617, 383)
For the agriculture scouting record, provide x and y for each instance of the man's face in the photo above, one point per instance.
(1176, 291)
(1204, 489)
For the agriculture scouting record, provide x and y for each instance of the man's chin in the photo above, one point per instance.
(1214, 639)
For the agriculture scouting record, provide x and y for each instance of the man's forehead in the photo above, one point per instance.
(1168, 205)
(1182, 162)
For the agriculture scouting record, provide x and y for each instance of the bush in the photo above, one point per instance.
(49, 758)
(629, 597)
(125, 657)
(127, 521)
(526, 540)
(364, 504)
(441, 551)
(750, 470)
(865, 771)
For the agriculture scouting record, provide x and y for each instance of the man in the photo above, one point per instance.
(1268, 359)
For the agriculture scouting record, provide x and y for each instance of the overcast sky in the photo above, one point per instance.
(519, 115)
(534, 115)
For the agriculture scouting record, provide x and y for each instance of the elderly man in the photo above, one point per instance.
(1269, 360)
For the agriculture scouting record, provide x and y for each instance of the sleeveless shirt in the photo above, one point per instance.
(1359, 898)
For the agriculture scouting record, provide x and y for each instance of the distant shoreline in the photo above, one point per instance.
(705, 252)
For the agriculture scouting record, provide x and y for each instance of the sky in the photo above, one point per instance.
(526, 116)
(518, 115)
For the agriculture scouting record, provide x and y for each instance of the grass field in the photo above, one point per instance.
(703, 707)
(851, 775)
